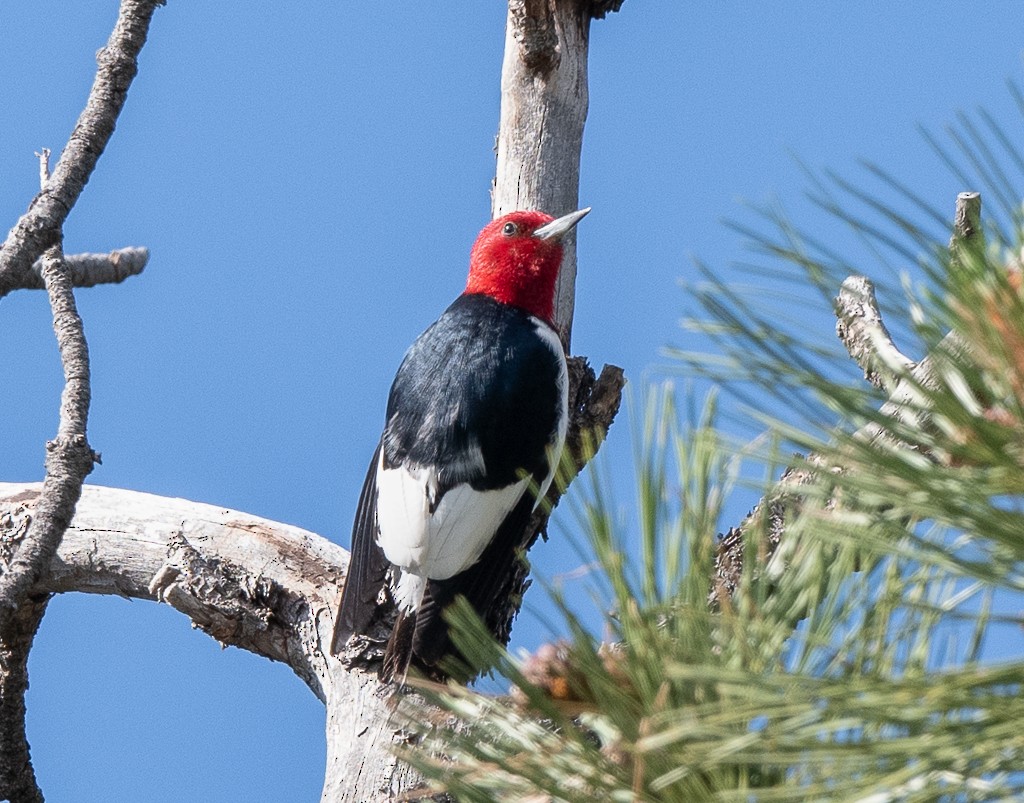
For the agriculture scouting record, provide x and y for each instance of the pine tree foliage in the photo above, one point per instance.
(878, 653)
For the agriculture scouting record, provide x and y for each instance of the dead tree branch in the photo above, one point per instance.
(248, 582)
(40, 227)
(27, 551)
(89, 270)
(259, 585)
(68, 460)
(864, 333)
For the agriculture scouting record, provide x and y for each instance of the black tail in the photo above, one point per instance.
(421, 638)
(398, 653)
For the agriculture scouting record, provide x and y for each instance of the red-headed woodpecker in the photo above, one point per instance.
(476, 416)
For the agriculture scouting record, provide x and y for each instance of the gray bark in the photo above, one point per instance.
(89, 270)
(544, 104)
(69, 459)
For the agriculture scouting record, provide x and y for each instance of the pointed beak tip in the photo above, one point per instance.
(559, 227)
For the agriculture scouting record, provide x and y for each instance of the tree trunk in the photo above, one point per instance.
(543, 109)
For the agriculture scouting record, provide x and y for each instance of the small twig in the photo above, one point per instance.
(862, 330)
(40, 227)
(89, 270)
(44, 167)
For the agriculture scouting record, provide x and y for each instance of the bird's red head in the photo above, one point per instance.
(516, 258)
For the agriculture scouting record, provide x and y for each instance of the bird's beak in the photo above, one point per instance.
(559, 227)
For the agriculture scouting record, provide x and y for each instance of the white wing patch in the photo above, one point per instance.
(441, 544)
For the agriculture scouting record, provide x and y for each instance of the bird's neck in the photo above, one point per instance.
(530, 287)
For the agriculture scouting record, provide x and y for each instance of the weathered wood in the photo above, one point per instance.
(248, 582)
(544, 104)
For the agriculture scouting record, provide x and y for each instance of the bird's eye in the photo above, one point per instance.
(510, 229)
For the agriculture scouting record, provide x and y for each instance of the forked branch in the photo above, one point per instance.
(40, 227)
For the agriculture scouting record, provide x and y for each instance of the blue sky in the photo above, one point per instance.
(309, 178)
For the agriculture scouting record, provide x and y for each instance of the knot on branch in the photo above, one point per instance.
(225, 601)
(14, 527)
(70, 455)
(533, 28)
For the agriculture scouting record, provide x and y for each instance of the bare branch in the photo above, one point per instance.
(44, 167)
(40, 227)
(907, 403)
(68, 460)
(260, 585)
(68, 456)
(862, 330)
(253, 583)
(89, 270)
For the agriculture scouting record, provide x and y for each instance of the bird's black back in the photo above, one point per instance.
(481, 377)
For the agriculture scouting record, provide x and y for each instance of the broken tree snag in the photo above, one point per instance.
(543, 110)
(967, 231)
(866, 337)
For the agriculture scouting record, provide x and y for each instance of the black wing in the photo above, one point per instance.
(367, 566)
